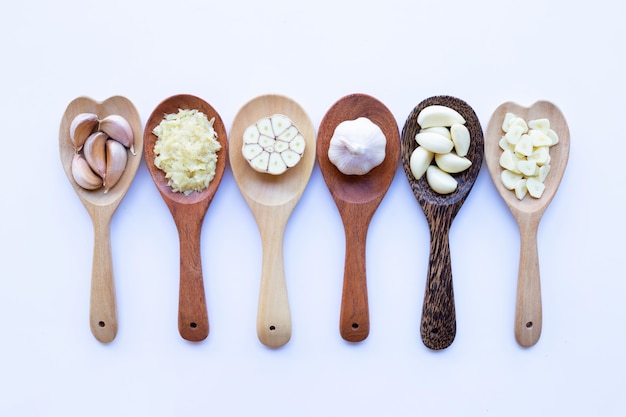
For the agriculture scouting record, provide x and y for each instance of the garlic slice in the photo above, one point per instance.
(273, 144)
(357, 146)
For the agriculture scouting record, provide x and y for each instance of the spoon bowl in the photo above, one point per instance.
(271, 199)
(188, 212)
(438, 326)
(357, 197)
(101, 207)
(528, 211)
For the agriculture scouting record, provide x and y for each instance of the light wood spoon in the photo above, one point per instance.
(101, 207)
(357, 198)
(528, 212)
(188, 213)
(272, 199)
(438, 327)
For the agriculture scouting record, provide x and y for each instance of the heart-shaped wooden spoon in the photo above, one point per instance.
(101, 207)
(438, 327)
(357, 198)
(272, 199)
(188, 213)
(528, 212)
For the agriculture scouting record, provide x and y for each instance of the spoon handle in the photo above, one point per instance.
(193, 320)
(273, 316)
(438, 313)
(102, 308)
(354, 323)
(528, 314)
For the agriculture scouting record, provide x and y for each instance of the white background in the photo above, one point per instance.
(228, 52)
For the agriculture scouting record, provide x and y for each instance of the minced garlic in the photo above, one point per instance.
(186, 150)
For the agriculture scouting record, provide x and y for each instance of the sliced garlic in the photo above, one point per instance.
(420, 160)
(273, 144)
(357, 146)
(525, 154)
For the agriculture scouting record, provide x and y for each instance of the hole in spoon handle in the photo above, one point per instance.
(438, 327)
(528, 311)
(193, 320)
(102, 306)
(354, 322)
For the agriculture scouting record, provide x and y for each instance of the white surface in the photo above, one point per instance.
(485, 52)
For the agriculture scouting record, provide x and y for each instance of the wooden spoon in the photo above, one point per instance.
(101, 207)
(188, 213)
(438, 327)
(272, 199)
(528, 212)
(357, 198)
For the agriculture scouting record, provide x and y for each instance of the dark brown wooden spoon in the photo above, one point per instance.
(357, 198)
(101, 207)
(438, 327)
(188, 213)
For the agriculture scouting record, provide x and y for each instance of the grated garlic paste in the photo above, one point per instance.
(186, 150)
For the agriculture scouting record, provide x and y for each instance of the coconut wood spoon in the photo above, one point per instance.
(438, 327)
(188, 213)
(101, 207)
(272, 199)
(357, 198)
(528, 212)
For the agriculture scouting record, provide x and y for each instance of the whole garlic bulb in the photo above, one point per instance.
(357, 146)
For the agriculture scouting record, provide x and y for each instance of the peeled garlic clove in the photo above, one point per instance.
(440, 181)
(118, 128)
(510, 179)
(527, 168)
(452, 163)
(434, 142)
(81, 127)
(442, 130)
(506, 123)
(460, 136)
(83, 175)
(357, 146)
(535, 187)
(438, 115)
(520, 189)
(539, 138)
(116, 163)
(524, 146)
(95, 152)
(273, 144)
(539, 124)
(419, 162)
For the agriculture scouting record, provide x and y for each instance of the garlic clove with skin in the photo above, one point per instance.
(357, 146)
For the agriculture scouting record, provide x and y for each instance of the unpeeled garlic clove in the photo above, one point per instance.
(116, 157)
(118, 128)
(83, 174)
(81, 127)
(95, 153)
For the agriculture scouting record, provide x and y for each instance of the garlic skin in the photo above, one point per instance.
(357, 146)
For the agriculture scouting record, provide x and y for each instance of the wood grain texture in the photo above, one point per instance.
(357, 198)
(528, 212)
(271, 199)
(103, 319)
(438, 326)
(188, 213)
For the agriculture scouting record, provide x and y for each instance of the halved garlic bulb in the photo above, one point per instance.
(273, 145)
(357, 146)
